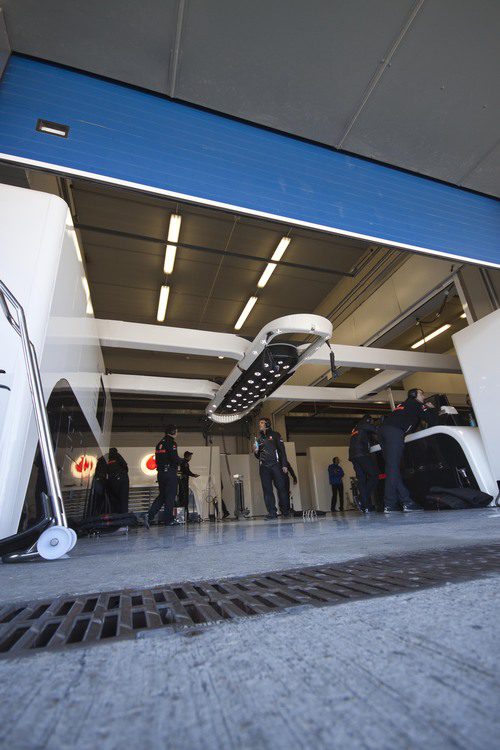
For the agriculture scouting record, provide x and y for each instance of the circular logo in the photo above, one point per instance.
(148, 465)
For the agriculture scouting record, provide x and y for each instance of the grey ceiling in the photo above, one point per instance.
(412, 83)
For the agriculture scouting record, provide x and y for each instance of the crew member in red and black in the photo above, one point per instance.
(270, 450)
(363, 461)
(167, 461)
(185, 473)
(117, 482)
(405, 418)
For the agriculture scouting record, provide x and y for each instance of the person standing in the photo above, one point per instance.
(167, 462)
(185, 473)
(290, 475)
(335, 476)
(99, 499)
(118, 482)
(404, 419)
(270, 451)
(363, 461)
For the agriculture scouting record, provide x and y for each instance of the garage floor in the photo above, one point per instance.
(416, 670)
(200, 551)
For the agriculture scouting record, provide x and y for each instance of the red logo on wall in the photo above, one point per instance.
(84, 464)
(151, 463)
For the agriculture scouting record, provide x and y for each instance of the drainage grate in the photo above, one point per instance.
(102, 617)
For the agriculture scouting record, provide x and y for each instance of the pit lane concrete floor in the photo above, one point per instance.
(409, 672)
(198, 551)
(417, 670)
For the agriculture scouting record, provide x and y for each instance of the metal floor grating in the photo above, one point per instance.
(102, 617)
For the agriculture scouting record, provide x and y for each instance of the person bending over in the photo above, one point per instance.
(404, 419)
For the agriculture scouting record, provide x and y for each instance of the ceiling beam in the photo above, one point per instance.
(379, 382)
(183, 387)
(156, 338)
(390, 359)
(160, 338)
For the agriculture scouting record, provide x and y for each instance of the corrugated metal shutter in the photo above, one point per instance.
(121, 134)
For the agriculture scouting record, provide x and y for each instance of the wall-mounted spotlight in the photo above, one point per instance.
(52, 128)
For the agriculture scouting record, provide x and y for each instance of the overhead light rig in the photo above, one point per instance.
(267, 365)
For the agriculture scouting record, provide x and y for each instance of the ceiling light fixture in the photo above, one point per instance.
(172, 239)
(276, 256)
(431, 336)
(463, 316)
(246, 312)
(162, 303)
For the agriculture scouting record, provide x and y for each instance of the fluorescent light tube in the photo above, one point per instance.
(162, 303)
(174, 229)
(431, 336)
(266, 275)
(280, 250)
(170, 254)
(463, 316)
(271, 267)
(246, 312)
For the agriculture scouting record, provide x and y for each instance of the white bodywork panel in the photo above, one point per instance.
(469, 439)
(40, 265)
(478, 351)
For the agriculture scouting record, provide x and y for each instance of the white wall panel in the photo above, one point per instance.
(40, 266)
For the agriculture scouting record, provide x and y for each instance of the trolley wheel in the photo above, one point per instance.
(54, 542)
(74, 537)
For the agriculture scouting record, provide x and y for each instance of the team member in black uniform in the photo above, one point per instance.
(289, 475)
(270, 450)
(185, 473)
(99, 500)
(362, 460)
(405, 418)
(118, 482)
(167, 461)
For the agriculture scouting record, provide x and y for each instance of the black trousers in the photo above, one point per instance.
(337, 491)
(270, 475)
(367, 476)
(167, 485)
(118, 494)
(99, 497)
(184, 493)
(392, 442)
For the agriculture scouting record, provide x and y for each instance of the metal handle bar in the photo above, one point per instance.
(35, 385)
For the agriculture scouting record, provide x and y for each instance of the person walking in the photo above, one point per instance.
(335, 476)
(185, 473)
(167, 461)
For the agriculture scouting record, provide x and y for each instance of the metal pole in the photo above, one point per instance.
(41, 419)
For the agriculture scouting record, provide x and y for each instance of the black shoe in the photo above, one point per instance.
(225, 515)
(388, 510)
(269, 517)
